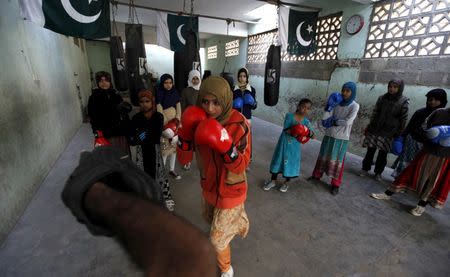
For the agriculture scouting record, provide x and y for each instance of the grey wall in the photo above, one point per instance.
(316, 79)
(40, 107)
(234, 63)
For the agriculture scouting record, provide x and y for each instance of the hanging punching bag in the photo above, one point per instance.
(185, 60)
(118, 63)
(136, 62)
(272, 76)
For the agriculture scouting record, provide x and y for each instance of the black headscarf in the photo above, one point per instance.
(438, 94)
(167, 98)
(401, 86)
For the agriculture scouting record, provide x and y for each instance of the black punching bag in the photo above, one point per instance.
(136, 62)
(118, 63)
(185, 60)
(272, 76)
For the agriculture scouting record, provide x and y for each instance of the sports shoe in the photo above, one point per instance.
(229, 273)
(284, 187)
(334, 190)
(417, 211)
(170, 205)
(380, 196)
(363, 173)
(174, 175)
(269, 185)
(378, 178)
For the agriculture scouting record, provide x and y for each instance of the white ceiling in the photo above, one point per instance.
(234, 9)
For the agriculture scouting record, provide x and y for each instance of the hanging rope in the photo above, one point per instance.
(226, 58)
(275, 41)
(114, 24)
(132, 13)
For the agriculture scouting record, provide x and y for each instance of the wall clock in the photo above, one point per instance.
(354, 24)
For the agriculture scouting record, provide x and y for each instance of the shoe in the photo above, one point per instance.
(187, 166)
(378, 178)
(363, 173)
(312, 178)
(174, 175)
(229, 273)
(334, 190)
(284, 187)
(170, 205)
(417, 211)
(380, 196)
(268, 185)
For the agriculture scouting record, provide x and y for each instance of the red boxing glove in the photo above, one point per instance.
(190, 118)
(171, 128)
(301, 133)
(100, 140)
(211, 133)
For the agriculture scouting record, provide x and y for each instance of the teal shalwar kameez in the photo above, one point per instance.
(287, 155)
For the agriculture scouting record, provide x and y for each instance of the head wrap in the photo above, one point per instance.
(99, 75)
(167, 98)
(400, 85)
(220, 88)
(438, 94)
(352, 87)
(149, 94)
(246, 74)
(194, 73)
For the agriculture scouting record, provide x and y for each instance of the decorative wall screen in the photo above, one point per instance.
(327, 37)
(408, 28)
(232, 48)
(212, 52)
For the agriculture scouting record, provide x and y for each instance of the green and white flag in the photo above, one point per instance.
(77, 18)
(171, 30)
(297, 31)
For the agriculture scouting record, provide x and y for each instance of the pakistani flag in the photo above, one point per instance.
(297, 31)
(172, 30)
(77, 18)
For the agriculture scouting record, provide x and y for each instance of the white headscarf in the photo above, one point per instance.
(194, 73)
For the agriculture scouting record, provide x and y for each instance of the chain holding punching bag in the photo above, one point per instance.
(136, 61)
(272, 76)
(185, 60)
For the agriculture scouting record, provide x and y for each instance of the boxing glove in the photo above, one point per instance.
(100, 140)
(190, 118)
(301, 133)
(249, 100)
(436, 133)
(238, 103)
(211, 133)
(445, 142)
(170, 129)
(329, 122)
(397, 145)
(333, 100)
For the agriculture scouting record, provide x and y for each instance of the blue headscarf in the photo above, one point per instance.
(167, 98)
(352, 87)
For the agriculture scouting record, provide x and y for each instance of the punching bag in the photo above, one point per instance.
(118, 63)
(136, 62)
(185, 60)
(272, 76)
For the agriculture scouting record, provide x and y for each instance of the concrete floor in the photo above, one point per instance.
(304, 232)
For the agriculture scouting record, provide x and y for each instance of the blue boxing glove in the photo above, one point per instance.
(333, 100)
(329, 122)
(249, 100)
(397, 145)
(437, 133)
(238, 103)
(445, 142)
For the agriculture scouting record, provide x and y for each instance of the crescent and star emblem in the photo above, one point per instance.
(180, 37)
(300, 39)
(75, 15)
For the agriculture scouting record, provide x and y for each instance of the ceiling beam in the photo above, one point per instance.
(228, 20)
(277, 3)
